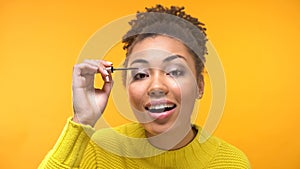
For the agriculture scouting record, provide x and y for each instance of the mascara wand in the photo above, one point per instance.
(112, 69)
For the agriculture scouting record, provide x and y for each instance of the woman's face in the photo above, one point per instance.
(163, 90)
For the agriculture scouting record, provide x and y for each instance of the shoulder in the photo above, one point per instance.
(230, 156)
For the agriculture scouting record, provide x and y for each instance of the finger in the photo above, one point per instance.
(107, 78)
(84, 69)
(98, 62)
(92, 62)
(107, 86)
(102, 70)
(106, 63)
(83, 75)
(106, 75)
(91, 67)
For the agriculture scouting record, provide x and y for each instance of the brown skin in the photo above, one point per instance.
(178, 90)
(162, 85)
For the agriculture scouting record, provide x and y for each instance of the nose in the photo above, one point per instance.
(158, 85)
(157, 93)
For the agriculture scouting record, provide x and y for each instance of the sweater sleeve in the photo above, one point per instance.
(70, 147)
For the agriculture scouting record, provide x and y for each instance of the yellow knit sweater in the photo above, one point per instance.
(76, 149)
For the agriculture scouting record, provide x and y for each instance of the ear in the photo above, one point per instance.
(200, 83)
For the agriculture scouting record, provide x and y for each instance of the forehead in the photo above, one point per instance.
(158, 47)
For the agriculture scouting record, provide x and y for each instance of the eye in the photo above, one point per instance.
(176, 73)
(140, 76)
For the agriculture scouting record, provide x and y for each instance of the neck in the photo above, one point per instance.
(174, 138)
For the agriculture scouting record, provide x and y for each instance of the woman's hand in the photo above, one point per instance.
(88, 102)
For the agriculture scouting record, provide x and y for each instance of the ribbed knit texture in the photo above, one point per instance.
(107, 149)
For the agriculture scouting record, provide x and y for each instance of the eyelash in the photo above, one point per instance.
(177, 73)
(173, 73)
(137, 76)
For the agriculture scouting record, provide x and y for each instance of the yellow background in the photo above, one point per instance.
(258, 42)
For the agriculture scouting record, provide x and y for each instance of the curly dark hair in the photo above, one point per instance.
(182, 26)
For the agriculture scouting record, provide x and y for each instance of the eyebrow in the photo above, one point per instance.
(139, 61)
(168, 59)
(172, 57)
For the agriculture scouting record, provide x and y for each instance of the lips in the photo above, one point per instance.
(160, 109)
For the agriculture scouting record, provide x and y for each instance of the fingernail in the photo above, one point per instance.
(107, 78)
(108, 62)
(105, 72)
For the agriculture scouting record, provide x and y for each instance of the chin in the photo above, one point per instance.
(155, 128)
(161, 122)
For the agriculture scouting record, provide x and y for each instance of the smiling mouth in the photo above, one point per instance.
(160, 108)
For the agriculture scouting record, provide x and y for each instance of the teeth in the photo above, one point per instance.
(160, 106)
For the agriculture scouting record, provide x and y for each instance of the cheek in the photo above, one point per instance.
(135, 94)
(176, 89)
(188, 97)
(185, 88)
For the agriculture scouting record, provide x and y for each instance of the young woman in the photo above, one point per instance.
(165, 51)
